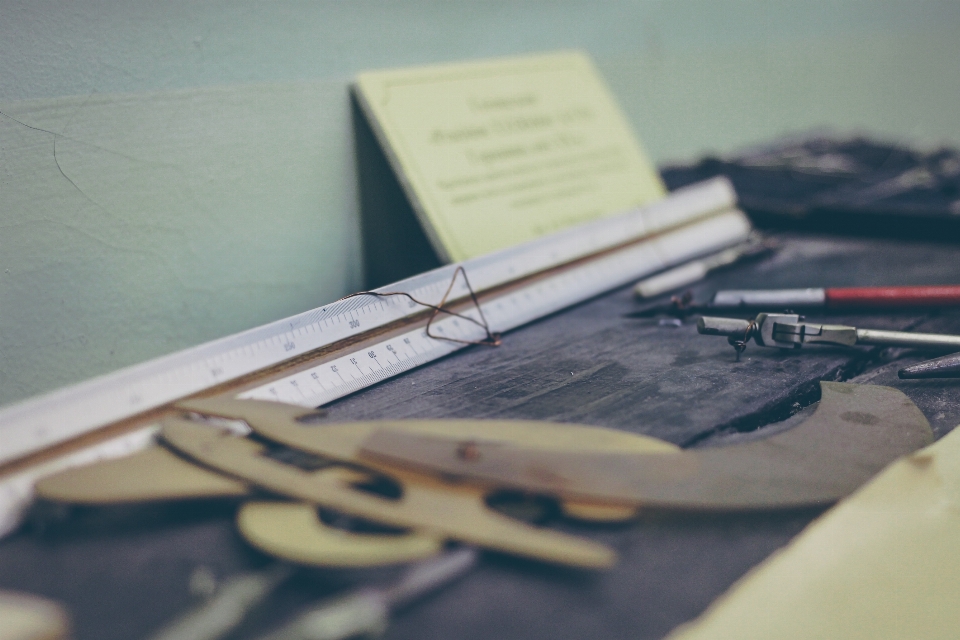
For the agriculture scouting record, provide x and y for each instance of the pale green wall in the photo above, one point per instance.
(203, 180)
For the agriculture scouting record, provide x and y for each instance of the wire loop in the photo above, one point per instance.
(492, 339)
(740, 344)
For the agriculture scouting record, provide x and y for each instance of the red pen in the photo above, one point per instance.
(836, 298)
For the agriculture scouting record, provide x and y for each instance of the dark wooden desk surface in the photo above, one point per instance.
(124, 572)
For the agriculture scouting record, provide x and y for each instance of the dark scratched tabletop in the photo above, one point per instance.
(124, 572)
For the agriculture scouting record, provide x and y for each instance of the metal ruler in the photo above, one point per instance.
(516, 285)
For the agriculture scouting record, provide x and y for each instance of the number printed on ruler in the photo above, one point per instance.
(352, 372)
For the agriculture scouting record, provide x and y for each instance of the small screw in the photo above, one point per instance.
(468, 451)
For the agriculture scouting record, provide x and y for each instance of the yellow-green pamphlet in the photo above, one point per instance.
(493, 153)
(884, 563)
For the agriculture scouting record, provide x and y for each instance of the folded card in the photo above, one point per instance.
(497, 152)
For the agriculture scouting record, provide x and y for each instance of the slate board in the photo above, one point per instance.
(123, 572)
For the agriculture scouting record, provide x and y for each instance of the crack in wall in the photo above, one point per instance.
(55, 159)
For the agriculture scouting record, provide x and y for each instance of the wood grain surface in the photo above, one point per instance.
(123, 572)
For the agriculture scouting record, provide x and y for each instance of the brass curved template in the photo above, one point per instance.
(152, 474)
(854, 433)
(293, 531)
(429, 505)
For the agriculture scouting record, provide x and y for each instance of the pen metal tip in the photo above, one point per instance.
(943, 367)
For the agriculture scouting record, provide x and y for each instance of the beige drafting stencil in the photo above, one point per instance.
(27, 617)
(855, 432)
(293, 531)
(426, 504)
(343, 441)
(152, 474)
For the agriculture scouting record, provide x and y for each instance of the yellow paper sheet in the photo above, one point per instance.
(497, 152)
(884, 563)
